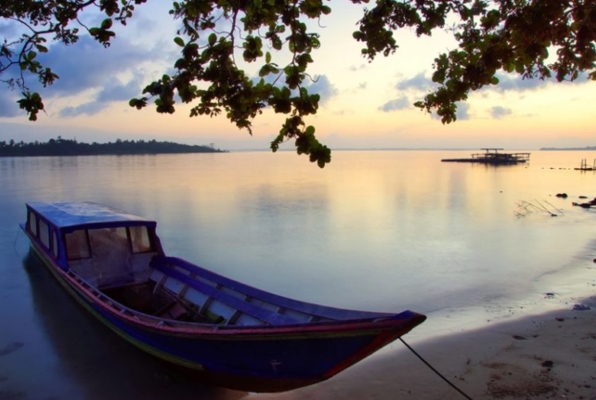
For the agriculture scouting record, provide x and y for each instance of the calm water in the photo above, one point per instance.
(382, 230)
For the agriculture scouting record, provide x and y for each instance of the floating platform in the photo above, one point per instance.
(492, 156)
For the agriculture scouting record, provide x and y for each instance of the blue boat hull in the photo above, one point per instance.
(252, 360)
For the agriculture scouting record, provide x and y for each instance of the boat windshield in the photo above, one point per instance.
(77, 245)
(139, 238)
(108, 256)
(87, 243)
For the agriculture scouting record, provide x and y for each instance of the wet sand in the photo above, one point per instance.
(545, 356)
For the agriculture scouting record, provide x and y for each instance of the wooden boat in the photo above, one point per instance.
(228, 333)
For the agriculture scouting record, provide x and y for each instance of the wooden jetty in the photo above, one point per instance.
(492, 156)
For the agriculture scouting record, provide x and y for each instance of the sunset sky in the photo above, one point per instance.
(363, 105)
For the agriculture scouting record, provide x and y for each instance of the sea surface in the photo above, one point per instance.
(465, 244)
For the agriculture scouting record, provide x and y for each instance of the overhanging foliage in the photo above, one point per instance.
(502, 35)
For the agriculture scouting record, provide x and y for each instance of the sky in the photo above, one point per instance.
(364, 105)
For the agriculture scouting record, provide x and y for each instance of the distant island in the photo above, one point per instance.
(67, 147)
(567, 148)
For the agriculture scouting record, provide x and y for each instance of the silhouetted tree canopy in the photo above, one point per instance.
(500, 35)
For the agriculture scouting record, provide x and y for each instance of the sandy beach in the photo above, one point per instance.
(546, 356)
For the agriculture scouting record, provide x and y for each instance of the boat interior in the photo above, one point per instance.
(123, 265)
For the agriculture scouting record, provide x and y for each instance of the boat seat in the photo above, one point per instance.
(267, 316)
(174, 310)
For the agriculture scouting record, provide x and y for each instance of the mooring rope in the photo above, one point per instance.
(434, 370)
(14, 245)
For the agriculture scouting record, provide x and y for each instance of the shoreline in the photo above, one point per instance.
(549, 355)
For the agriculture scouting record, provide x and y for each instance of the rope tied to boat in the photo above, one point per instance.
(435, 370)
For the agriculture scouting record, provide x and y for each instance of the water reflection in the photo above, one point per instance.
(94, 360)
(383, 231)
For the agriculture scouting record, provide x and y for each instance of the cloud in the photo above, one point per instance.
(507, 83)
(8, 104)
(396, 104)
(421, 82)
(90, 108)
(117, 91)
(355, 68)
(88, 65)
(87, 69)
(418, 82)
(323, 87)
(498, 112)
(113, 91)
(9, 29)
(516, 83)
(462, 112)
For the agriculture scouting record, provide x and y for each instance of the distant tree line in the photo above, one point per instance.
(568, 148)
(67, 147)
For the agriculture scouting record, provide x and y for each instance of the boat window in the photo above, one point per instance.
(54, 244)
(106, 240)
(77, 245)
(140, 239)
(32, 223)
(44, 233)
(111, 255)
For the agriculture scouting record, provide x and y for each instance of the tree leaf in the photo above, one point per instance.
(178, 40)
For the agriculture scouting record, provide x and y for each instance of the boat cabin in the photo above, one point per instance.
(103, 246)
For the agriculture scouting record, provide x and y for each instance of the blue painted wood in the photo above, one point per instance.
(68, 214)
(267, 316)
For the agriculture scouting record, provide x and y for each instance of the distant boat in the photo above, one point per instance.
(228, 333)
(492, 156)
